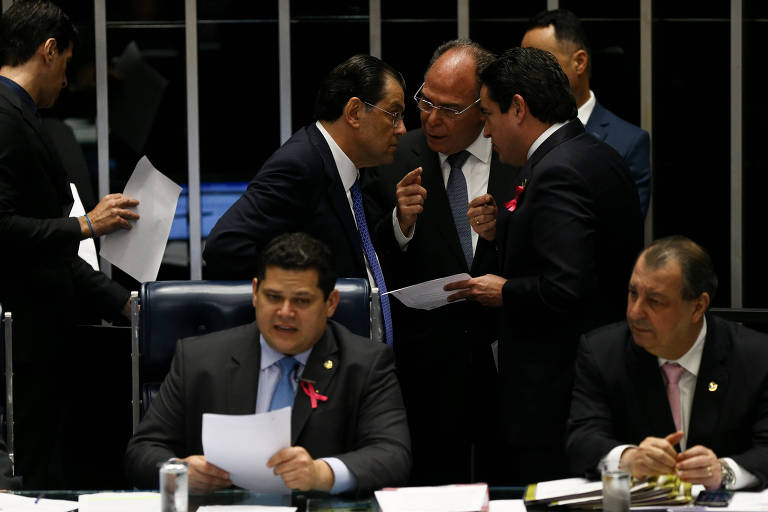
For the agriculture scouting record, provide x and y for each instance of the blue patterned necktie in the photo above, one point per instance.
(459, 202)
(370, 255)
(284, 392)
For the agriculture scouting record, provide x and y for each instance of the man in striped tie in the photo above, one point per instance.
(674, 389)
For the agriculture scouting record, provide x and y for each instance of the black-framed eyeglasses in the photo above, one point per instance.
(397, 117)
(427, 106)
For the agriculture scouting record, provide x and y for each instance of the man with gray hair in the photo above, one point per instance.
(674, 389)
(423, 196)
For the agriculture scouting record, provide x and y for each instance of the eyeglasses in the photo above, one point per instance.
(427, 106)
(396, 116)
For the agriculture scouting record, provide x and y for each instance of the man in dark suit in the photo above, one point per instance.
(310, 184)
(567, 236)
(560, 32)
(673, 389)
(352, 438)
(42, 280)
(457, 336)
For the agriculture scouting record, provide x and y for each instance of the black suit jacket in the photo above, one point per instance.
(567, 252)
(619, 397)
(448, 344)
(362, 423)
(42, 280)
(297, 189)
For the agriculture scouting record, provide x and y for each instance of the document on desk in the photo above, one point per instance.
(245, 508)
(28, 504)
(444, 498)
(119, 502)
(429, 294)
(242, 445)
(139, 250)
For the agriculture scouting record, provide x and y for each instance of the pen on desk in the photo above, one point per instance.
(39, 497)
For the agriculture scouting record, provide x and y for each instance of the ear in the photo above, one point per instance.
(519, 108)
(49, 48)
(579, 60)
(352, 111)
(332, 302)
(700, 306)
(255, 291)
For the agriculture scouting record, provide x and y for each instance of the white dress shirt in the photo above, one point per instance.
(690, 361)
(585, 111)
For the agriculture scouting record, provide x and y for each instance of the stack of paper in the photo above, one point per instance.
(119, 502)
(27, 504)
(666, 490)
(447, 498)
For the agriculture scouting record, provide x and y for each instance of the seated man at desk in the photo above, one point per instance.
(355, 440)
(673, 390)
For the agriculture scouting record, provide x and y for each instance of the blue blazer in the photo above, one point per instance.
(631, 142)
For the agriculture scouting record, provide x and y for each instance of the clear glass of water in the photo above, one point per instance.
(174, 488)
(616, 483)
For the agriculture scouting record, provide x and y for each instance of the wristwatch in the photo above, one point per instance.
(728, 478)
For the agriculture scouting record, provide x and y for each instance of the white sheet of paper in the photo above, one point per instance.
(27, 504)
(245, 508)
(429, 294)
(565, 486)
(448, 498)
(506, 506)
(87, 249)
(139, 251)
(242, 445)
(119, 502)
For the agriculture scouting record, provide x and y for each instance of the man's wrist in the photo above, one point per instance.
(728, 477)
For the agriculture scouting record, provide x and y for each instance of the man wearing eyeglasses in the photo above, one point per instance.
(310, 184)
(444, 358)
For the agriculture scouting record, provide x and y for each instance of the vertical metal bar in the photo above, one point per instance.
(135, 383)
(193, 140)
(646, 94)
(374, 27)
(8, 320)
(102, 106)
(736, 155)
(462, 19)
(284, 43)
(553, 4)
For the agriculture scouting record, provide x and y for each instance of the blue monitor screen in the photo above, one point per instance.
(215, 199)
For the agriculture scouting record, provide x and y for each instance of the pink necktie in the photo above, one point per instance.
(673, 371)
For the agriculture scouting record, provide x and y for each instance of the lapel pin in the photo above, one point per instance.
(712, 386)
(329, 365)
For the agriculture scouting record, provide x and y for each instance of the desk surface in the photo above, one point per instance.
(305, 502)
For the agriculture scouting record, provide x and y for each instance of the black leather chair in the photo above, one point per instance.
(6, 387)
(166, 311)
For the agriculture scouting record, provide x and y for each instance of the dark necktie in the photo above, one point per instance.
(370, 255)
(459, 202)
(284, 393)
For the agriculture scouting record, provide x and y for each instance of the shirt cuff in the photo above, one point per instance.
(402, 240)
(343, 479)
(613, 459)
(743, 479)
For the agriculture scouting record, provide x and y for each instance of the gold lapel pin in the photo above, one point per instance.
(712, 386)
(328, 364)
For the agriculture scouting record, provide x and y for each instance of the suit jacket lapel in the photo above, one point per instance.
(597, 124)
(243, 372)
(708, 400)
(321, 367)
(432, 180)
(338, 196)
(649, 391)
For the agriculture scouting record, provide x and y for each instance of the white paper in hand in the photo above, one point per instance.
(139, 251)
(242, 445)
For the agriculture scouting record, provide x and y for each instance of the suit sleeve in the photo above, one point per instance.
(20, 232)
(280, 197)
(563, 232)
(382, 454)
(97, 292)
(755, 459)
(590, 427)
(160, 435)
(639, 161)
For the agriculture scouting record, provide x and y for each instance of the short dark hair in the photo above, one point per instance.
(536, 76)
(29, 23)
(482, 56)
(362, 76)
(299, 251)
(698, 274)
(568, 28)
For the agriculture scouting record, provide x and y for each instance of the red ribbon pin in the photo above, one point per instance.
(512, 205)
(314, 396)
